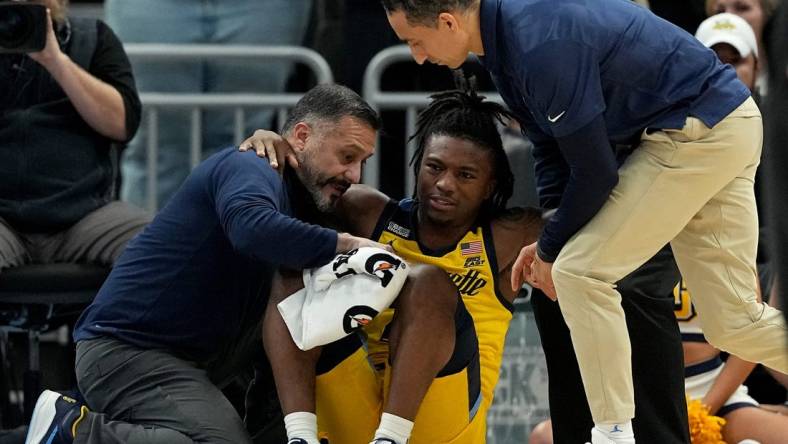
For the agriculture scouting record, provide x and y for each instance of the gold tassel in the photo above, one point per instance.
(705, 428)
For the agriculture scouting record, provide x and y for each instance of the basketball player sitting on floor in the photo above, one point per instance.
(458, 221)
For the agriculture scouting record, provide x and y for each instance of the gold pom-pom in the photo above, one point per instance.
(705, 428)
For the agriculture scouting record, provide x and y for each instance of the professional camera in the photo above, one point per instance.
(23, 27)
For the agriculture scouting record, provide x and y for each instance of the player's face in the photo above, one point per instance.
(443, 44)
(455, 178)
(750, 10)
(331, 157)
(746, 67)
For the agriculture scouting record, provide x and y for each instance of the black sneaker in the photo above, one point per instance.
(55, 419)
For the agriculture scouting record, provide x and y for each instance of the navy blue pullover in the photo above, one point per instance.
(582, 74)
(186, 281)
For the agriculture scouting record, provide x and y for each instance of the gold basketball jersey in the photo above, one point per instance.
(472, 266)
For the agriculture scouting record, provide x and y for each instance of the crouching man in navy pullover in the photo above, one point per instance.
(181, 310)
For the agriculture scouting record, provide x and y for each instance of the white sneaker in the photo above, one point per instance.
(54, 419)
(598, 437)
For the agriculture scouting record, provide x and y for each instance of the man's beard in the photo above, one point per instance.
(324, 204)
(314, 183)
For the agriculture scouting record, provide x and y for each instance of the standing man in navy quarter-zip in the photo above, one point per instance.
(584, 77)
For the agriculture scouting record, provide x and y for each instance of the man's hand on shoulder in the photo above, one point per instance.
(347, 242)
(271, 145)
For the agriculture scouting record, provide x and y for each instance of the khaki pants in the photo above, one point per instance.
(693, 188)
(97, 238)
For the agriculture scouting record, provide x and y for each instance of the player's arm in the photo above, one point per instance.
(511, 232)
(359, 209)
(733, 374)
(270, 145)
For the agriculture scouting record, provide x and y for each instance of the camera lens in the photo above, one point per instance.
(16, 24)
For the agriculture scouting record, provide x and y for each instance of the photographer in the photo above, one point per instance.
(61, 110)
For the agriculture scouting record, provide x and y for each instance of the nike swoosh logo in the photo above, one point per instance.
(555, 119)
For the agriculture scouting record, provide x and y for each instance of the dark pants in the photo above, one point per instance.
(150, 396)
(153, 396)
(657, 360)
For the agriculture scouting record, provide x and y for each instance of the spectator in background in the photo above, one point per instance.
(756, 13)
(732, 38)
(61, 111)
(232, 22)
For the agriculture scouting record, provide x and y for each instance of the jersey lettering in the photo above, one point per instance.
(470, 283)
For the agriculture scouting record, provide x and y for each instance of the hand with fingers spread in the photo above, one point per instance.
(271, 145)
(530, 268)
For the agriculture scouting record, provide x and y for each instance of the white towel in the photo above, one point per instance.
(342, 296)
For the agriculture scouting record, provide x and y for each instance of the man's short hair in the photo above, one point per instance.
(425, 12)
(330, 103)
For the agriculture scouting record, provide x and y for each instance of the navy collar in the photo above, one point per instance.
(488, 26)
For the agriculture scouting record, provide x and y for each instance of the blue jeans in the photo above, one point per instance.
(270, 22)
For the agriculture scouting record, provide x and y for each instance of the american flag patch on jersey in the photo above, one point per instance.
(469, 248)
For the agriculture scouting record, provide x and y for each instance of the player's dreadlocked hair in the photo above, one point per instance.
(465, 115)
(425, 12)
